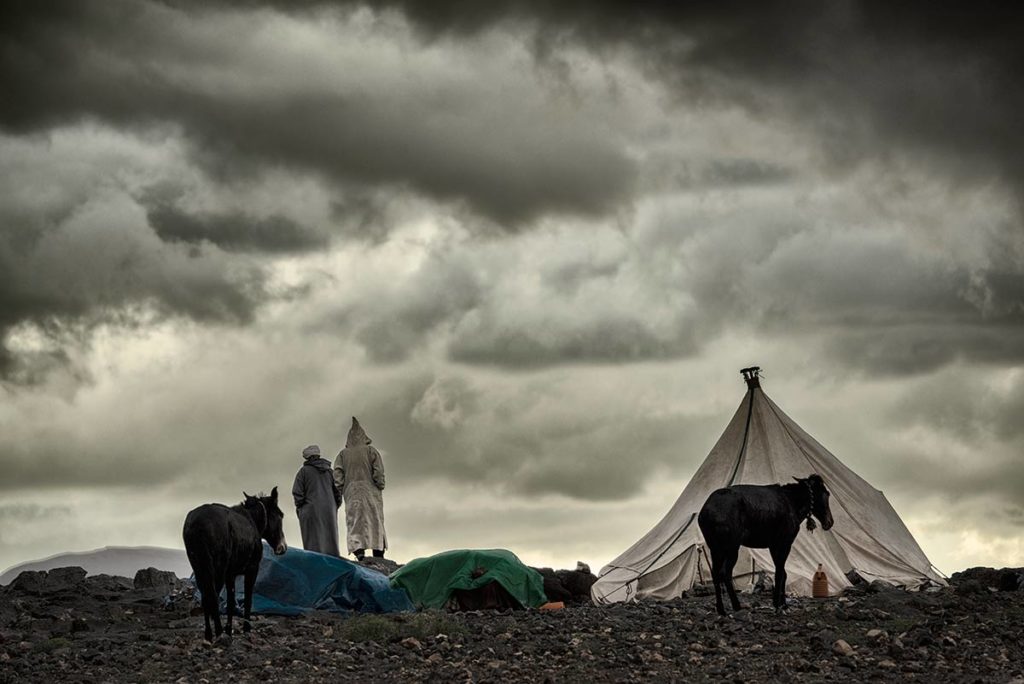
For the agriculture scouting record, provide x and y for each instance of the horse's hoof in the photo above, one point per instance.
(223, 640)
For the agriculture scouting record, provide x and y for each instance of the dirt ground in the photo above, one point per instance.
(69, 628)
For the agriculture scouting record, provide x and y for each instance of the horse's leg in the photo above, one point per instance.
(218, 585)
(717, 566)
(779, 555)
(229, 585)
(209, 601)
(250, 582)
(730, 565)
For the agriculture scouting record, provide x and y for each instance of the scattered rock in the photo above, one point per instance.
(39, 582)
(970, 587)
(958, 638)
(1011, 579)
(385, 566)
(151, 578)
(29, 582)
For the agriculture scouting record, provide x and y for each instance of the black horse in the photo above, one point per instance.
(758, 517)
(223, 543)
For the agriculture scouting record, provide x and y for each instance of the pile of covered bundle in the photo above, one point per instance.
(568, 586)
(471, 579)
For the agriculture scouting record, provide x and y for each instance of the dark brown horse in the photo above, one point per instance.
(759, 517)
(223, 543)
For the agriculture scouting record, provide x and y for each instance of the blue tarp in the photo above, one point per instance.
(301, 581)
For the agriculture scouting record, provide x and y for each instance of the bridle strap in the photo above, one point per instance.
(810, 507)
(261, 525)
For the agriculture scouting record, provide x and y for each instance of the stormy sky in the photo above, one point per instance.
(529, 244)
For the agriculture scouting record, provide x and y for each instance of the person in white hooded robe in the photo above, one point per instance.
(317, 500)
(359, 475)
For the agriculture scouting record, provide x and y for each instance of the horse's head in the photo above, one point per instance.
(273, 517)
(819, 500)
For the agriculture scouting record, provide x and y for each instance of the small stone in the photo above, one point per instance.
(412, 643)
(874, 633)
(840, 647)
(435, 659)
(887, 664)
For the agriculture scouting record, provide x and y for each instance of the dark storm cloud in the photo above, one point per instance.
(905, 350)
(234, 232)
(870, 82)
(937, 78)
(99, 263)
(117, 62)
(869, 78)
(601, 338)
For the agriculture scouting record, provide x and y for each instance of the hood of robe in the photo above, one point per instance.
(357, 436)
(318, 463)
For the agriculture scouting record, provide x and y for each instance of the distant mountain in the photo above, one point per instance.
(123, 561)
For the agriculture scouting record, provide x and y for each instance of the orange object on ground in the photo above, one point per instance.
(819, 585)
(556, 605)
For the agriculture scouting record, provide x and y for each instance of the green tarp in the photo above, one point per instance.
(430, 581)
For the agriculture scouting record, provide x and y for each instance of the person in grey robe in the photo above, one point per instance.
(359, 474)
(317, 500)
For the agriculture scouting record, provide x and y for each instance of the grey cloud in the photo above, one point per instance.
(363, 216)
(495, 158)
(598, 339)
(98, 264)
(965, 409)
(903, 350)
(28, 512)
(998, 479)
(519, 450)
(390, 326)
(870, 79)
(234, 232)
(70, 466)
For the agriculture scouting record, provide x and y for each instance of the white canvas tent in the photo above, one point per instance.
(762, 445)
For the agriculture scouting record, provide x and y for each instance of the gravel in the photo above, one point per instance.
(95, 629)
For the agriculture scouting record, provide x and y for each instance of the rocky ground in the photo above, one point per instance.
(68, 628)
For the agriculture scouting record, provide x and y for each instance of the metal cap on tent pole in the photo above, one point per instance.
(751, 375)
